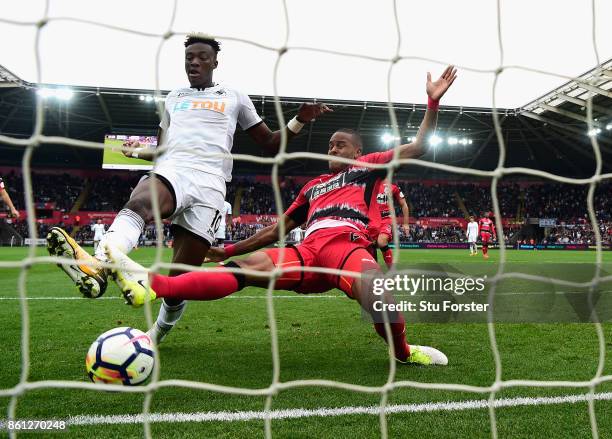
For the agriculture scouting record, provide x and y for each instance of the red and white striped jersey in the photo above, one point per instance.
(382, 198)
(347, 198)
(486, 225)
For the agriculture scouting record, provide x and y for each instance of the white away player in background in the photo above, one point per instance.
(98, 228)
(297, 235)
(226, 217)
(472, 235)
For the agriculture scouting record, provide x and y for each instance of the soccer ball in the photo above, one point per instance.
(120, 356)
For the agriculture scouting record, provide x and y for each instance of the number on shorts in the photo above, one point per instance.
(216, 222)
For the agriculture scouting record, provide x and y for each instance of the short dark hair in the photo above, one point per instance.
(195, 38)
(356, 135)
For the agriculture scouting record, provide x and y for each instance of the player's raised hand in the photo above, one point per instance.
(129, 146)
(310, 112)
(215, 254)
(436, 89)
(406, 229)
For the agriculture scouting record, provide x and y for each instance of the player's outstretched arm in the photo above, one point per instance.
(435, 91)
(266, 236)
(406, 214)
(270, 140)
(7, 200)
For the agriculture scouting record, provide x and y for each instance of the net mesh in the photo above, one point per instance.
(37, 138)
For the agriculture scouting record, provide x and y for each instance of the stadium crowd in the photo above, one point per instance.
(59, 189)
(578, 234)
(109, 193)
(451, 199)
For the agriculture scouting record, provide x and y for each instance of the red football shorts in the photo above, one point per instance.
(485, 237)
(341, 248)
(385, 227)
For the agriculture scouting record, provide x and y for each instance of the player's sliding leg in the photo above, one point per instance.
(383, 245)
(132, 278)
(188, 249)
(87, 273)
(139, 287)
(361, 290)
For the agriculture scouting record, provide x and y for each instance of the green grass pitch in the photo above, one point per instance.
(228, 342)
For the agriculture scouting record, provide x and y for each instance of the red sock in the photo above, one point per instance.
(485, 249)
(398, 332)
(387, 255)
(196, 285)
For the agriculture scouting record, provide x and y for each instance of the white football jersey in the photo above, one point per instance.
(297, 234)
(472, 230)
(98, 230)
(200, 122)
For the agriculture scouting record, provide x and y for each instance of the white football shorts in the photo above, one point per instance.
(220, 232)
(199, 199)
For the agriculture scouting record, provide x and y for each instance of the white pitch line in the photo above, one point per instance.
(330, 412)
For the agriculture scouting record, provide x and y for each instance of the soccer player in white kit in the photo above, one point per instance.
(98, 229)
(297, 235)
(226, 216)
(196, 132)
(472, 235)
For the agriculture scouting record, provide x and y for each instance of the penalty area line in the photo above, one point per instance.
(227, 416)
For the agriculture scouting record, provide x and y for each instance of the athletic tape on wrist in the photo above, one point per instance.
(432, 104)
(295, 125)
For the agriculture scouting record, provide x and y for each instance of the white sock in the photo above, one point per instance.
(169, 315)
(122, 234)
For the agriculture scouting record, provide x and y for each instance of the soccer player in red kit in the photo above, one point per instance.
(487, 230)
(337, 209)
(386, 232)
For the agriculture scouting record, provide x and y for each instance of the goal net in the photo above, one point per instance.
(400, 53)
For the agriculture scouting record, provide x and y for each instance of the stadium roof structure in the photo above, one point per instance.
(9, 79)
(549, 134)
(345, 50)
